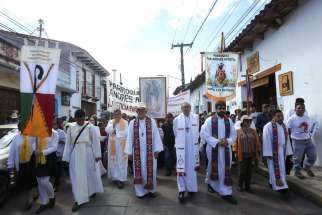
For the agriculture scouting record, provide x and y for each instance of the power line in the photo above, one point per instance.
(202, 24)
(190, 20)
(19, 19)
(226, 18)
(175, 32)
(15, 22)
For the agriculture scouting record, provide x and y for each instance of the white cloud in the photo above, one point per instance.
(106, 28)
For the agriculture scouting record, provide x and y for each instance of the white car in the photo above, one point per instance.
(7, 133)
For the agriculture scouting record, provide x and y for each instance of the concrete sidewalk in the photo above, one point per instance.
(310, 187)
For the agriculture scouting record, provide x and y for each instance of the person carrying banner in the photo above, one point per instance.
(45, 152)
(117, 159)
(219, 133)
(82, 152)
(186, 131)
(143, 147)
(276, 147)
(21, 160)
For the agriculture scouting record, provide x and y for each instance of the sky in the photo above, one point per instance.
(135, 36)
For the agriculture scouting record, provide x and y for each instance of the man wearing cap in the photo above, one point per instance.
(276, 146)
(82, 152)
(186, 131)
(117, 159)
(143, 146)
(219, 133)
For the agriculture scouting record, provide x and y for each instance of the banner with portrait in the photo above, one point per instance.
(221, 75)
(153, 93)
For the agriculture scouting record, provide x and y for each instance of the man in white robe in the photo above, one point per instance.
(143, 152)
(117, 159)
(186, 131)
(224, 140)
(83, 152)
(276, 157)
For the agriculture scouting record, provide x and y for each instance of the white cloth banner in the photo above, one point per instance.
(39, 69)
(174, 103)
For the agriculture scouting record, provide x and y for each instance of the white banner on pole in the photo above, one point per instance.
(174, 103)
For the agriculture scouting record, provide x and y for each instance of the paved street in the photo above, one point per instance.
(115, 202)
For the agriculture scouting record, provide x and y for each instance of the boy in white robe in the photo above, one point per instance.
(186, 131)
(219, 133)
(83, 152)
(276, 146)
(117, 159)
(143, 147)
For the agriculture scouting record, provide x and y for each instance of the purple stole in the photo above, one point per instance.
(214, 154)
(149, 154)
(277, 173)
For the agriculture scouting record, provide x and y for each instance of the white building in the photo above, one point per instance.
(82, 81)
(285, 37)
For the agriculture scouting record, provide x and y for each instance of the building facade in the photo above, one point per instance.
(82, 81)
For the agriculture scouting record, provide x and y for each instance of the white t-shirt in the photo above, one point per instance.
(299, 127)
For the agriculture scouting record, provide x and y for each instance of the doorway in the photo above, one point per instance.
(264, 92)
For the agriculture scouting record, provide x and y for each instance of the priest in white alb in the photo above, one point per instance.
(186, 131)
(117, 159)
(143, 146)
(219, 133)
(83, 152)
(276, 146)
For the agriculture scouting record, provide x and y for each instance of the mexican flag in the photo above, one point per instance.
(38, 77)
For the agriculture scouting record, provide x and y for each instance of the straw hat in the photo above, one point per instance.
(245, 117)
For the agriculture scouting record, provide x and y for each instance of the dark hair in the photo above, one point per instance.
(276, 111)
(169, 115)
(220, 104)
(117, 111)
(227, 113)
(253, 105)
(79, 113)
(299, 101)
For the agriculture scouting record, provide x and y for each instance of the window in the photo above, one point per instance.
(65, 99)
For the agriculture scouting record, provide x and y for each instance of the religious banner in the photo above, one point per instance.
(175, 102)
(123, 98)
(38, 77)
(221, 75)
(153, 93)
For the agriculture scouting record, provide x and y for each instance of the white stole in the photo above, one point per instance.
(180, 139)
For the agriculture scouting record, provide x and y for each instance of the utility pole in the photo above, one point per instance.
(40, 29)
(181, 45)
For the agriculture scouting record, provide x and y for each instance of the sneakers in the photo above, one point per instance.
(309, 172)
(120, 185)
(299, 175)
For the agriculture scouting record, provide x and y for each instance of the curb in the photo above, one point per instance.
(296, 186)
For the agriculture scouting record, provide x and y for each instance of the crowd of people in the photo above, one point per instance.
(122, 145)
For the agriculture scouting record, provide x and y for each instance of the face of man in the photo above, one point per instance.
(186, 109)
(117, 116)
(221, 110)
(80, 120)
(278, 117)
(141, 113)
(55, 125)
(252, 109)
(300, 109)
(265, 108)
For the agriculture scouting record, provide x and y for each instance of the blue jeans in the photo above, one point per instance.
(302, 148)
(169, 157)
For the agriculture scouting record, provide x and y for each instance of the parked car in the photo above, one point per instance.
(7, 133)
